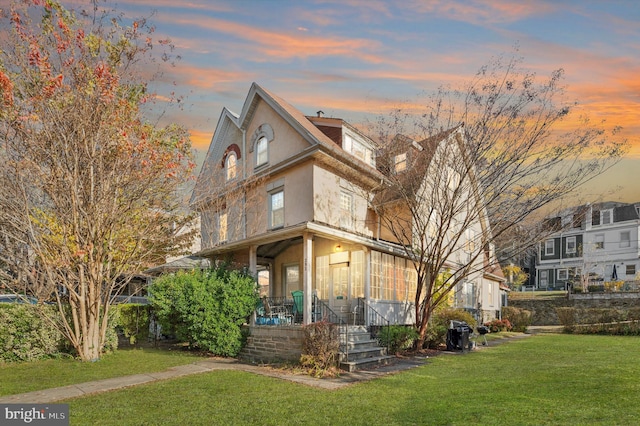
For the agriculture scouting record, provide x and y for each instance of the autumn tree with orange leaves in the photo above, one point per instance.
(89, 189)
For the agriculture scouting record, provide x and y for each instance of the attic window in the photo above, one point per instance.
(231, 166)
(262, 152)
(358, 149)
(400, 162)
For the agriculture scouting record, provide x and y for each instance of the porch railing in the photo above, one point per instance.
(376, 322)
(322, 312)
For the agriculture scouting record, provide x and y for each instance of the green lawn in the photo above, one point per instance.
(31, 376)
(546, 379)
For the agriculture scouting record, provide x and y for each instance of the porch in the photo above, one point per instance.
(276, 331)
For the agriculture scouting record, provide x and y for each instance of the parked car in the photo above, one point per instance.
(17, 298)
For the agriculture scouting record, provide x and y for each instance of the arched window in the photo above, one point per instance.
(262, 151)
(231, 165)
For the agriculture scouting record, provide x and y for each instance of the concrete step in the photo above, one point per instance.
(365, 363)
(362, 353)
(357, 337)
(359, 344)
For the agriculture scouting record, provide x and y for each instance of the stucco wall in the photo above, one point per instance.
(268, 344)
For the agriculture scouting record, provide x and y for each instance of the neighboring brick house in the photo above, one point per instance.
(594, 245)
(290, 194)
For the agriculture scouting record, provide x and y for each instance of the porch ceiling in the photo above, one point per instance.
(272, 250)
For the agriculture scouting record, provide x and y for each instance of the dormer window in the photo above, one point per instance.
(262, 151)
(358, 150)
(231, 166)
(400, 162)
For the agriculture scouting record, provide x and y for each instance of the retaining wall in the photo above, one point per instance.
(268, 344)
(544, 311)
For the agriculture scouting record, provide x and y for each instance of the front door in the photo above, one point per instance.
(339, 288)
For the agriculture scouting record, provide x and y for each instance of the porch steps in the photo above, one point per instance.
(360, 350)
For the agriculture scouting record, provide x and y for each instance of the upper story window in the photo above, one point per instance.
(359, 150)
(222, 227)
(549, 248)
(276, 209)
(570, 246)
(400, 162)
(470, 245)
(262, 151)
(346, 210)
(231, 165)
(602, 217)
(599, 241)
(625, 239)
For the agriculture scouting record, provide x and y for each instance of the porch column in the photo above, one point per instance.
(307, 287)
(253, 261)
(367, 282)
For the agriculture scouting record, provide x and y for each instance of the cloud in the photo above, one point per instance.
(479, 12)
(263, 44)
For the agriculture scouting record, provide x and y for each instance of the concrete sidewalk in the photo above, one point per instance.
(82, 389)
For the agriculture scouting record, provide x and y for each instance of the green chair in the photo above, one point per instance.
(298, 304)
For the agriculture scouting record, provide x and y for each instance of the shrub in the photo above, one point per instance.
(397, 337)
(26, 334)
(439, 324)
(132, 320)
(498, 325)
(520, 319)
(567, 318)
(595, 288)
(206, 309)
(320, 348)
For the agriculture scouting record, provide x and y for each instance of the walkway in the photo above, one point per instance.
(82, 389)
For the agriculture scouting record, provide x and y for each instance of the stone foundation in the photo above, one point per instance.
(270, 344)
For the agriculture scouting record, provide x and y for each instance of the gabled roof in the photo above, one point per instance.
(301, 123)
(418, 161)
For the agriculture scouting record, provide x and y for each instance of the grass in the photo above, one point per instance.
(31, 376)
(538, 380)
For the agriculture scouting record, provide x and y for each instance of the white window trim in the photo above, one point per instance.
(549, 250)
(266, 150)
(610, 214)
(543, 279)
(561, 272)
(223, 227)
(574, 240)
(270, 212)
(349, 221)
(400, 162)
(235, 166)
(599, 242)
(624, 243)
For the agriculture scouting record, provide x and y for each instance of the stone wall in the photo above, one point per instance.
(544, 311)
(268, 344)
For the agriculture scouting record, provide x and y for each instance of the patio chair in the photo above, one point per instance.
(298, 297)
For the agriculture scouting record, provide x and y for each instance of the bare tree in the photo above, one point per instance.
(88, 189)
(480, 161)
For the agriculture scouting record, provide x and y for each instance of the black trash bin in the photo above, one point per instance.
(458, 336)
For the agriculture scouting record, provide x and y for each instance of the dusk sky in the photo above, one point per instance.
(357, 59)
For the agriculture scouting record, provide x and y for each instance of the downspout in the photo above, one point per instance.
(244, 177)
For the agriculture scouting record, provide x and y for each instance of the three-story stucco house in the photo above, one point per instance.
(290, 196)
(597, 244)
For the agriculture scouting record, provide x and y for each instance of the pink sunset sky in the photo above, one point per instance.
(356, 59)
